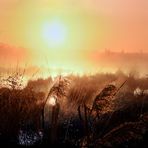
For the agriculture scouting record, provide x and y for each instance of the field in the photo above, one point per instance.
(102, 110)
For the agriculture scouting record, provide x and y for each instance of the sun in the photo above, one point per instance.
(54, 33)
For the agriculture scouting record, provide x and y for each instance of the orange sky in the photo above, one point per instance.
(66, 32)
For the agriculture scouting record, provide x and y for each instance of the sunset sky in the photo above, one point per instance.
(62, 34)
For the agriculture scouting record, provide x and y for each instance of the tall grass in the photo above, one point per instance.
(18, 106)
(22, 105)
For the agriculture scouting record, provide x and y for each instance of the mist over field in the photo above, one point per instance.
(106, 61)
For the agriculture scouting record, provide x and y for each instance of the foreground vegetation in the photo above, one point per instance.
(103, 110)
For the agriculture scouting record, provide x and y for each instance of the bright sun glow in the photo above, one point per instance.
(54, 33)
